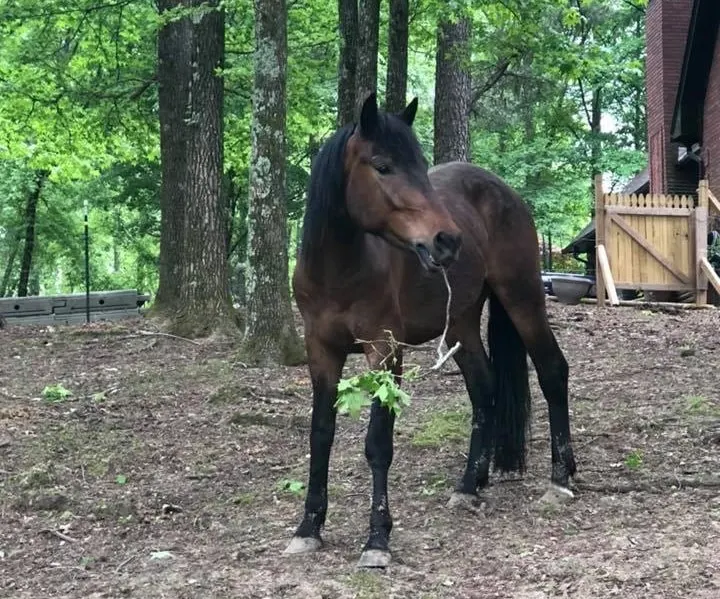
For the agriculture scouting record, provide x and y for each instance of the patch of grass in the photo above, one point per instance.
(368, 585)
(449, 426)
(247, 498)
(700, 405)
(40, 475)
(633, 460)
(435, 484)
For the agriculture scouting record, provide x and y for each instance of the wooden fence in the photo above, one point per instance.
(653, 242)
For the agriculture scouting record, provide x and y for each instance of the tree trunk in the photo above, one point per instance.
(347, 67)
(30, 221)
(452, 92)
(368, 39)
(397, 64)
(595, 133)
(270, 335)
(5, 282)
(193, 295)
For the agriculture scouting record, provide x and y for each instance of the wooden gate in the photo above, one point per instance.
(652, 242)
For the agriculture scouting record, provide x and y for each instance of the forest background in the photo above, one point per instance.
(163, 114)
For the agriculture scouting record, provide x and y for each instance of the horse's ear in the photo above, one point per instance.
(369, 116)
(408, 114)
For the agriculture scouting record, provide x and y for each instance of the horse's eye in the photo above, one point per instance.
(381, 166)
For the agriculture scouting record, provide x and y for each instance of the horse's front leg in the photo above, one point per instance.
(379, 454)
(326, 365)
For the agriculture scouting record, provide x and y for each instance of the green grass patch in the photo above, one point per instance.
(701, 405)
(368, 585)
(445, 427)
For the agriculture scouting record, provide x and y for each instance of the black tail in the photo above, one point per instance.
(512, 389)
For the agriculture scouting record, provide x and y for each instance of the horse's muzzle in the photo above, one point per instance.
(444, 251)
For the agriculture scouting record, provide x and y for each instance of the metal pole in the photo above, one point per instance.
(550, 256)
(87, 263)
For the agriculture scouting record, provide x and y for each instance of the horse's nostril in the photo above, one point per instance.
(445, 242)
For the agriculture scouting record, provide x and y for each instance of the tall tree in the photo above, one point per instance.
(347, 66)
(397, 63)
(270, 335)
(193, 294)
(452, 91)
(30, 224)
(368, 40)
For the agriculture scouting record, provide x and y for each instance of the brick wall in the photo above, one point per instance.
(666, 29)
(711, 125)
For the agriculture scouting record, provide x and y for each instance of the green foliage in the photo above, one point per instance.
(291, 486)
(359, 391)
(633, 460)
(55, 393)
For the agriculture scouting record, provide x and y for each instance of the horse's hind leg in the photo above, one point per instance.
(475, 367)
(525, 305)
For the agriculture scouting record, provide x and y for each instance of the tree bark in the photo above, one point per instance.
(452, 92)
(30, 222)
(397, 65)
(368, 40)
(347, 66)
(270, 335)
(193, 296)
(595, 133)
(5, 282)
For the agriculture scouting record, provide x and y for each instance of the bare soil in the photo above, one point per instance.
(174, 471)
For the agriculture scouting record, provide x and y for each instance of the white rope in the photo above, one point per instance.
(454, 349)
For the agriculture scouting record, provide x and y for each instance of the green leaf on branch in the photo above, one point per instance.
(358, 392)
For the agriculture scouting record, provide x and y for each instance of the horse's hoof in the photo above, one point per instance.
(467, 502)
(303, 545)
(556, 495)
(374, 558)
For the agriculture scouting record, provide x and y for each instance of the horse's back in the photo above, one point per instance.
(496, 223)
(463, 182)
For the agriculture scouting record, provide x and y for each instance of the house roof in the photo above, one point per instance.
(687, 122)
(640, 183)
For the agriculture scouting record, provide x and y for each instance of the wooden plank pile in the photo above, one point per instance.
(70, 309)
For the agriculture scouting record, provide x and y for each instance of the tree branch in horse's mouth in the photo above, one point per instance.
(442, 358)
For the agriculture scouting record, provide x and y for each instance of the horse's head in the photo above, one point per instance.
(388, 192)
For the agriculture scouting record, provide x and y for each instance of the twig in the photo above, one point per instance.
(125, 562)
(59, 535)
(153, 334)
(444, 358)
(652, 486)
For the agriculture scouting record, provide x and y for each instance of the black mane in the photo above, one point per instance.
(325, 206)
(325, 192)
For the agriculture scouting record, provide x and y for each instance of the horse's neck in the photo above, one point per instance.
(342, 263)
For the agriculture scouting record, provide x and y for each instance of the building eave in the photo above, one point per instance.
(687, 121)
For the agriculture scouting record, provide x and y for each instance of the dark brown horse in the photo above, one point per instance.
(378, 228)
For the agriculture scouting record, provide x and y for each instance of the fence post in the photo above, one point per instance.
(701, 233)
(599, 239)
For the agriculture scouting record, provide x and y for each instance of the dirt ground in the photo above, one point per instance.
(174, 471)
